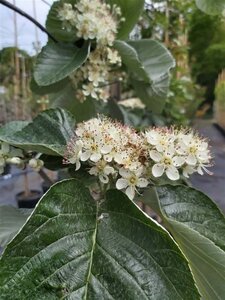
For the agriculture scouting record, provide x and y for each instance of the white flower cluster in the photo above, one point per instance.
(95, 74)
(98, 21)
(173, 150)
(118, 155)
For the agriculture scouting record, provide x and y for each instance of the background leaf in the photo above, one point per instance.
(48, 133)
(57, 61)
(74, 248)
(11, 220)
(131, 11)
(198, 227)
(149, 63)
(211, 7)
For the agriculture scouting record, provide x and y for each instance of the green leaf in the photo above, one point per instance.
(211, 7)
(153, 95)
(48, 133)
(49, 89)
(66, 98)
(11, 128)
(57, 61)
(149, 63)
(131, 11)
(198, 227)
(55, 26)
(11, 220)
(73, 247)
(147, 59)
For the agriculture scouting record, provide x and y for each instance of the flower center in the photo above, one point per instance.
(133, 180)
(192, 150)
(167, 161)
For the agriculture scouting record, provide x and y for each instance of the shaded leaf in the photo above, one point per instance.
(149, 63)
(11, 220)
(66, 98)
(48, 133)
(198, 227)
(154, 95)
(75, 248)
(52, 88)
(211, 7)
(131, 11)
(57, 61)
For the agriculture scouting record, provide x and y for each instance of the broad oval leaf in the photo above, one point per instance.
(149, 63)
(211, 7)
(56, 61)
(131, 11)
(154, 95)
(198, 227)
(147, 59)
(48, 133)
(75, 248)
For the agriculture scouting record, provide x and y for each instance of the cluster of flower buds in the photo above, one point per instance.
(35, 164)
(9, 154)
(15, 156)
(97, 21)
(95, 74)
(120, 156)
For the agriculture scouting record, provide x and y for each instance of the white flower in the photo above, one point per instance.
(102, 170)
(188, 170)
(129, 181)
(160, 139)
(73, 155)
(194, 149)
(90, 90)
(166, 162)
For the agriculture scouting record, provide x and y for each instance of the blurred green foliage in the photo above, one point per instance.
(207, 50)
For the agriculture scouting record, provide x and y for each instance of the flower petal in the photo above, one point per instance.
(191, 159)
(106, 149)
(172, 173)
(130, 192)
(108, 170)
(158, 170)
(104, 178)
(93, 171)
(124, 172)
(155, 155)
(121, 183)
(85, 155)
(142, 182)
(178, 161)
(188, 170)
(78, 164)
(95, 157)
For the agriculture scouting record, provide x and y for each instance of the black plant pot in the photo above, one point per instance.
(7, 170)
(29, 201)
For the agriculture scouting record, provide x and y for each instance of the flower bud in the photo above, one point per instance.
(36, 164)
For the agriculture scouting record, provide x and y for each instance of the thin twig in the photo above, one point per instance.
(24, 14)
(45, 177)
